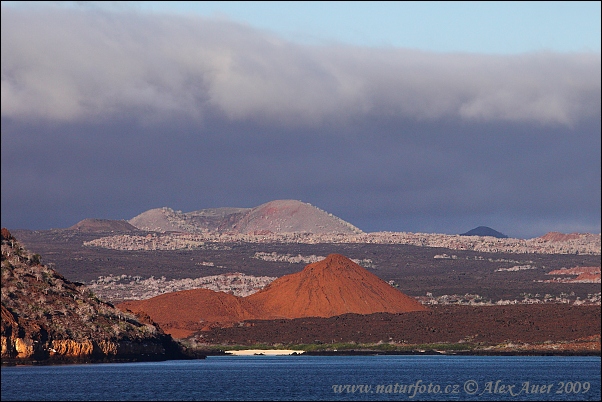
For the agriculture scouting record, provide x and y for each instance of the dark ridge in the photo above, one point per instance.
(484, 231)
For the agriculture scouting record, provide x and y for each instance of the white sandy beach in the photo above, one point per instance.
(265, 352)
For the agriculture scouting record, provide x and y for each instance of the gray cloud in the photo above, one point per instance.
(109, 113)
(78, 64)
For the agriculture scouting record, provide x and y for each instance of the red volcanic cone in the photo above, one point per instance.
(333, 286)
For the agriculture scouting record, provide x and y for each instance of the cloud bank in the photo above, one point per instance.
(78, 64)
(121, 111)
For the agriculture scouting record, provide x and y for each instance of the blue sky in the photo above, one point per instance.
(416, 117)
(481, 27)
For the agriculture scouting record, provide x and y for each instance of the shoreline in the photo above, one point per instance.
(264, 352)
(375, 352)
(59, 361)
(454, 353)
(203, 354)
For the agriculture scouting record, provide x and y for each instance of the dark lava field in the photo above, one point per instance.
(415, 270)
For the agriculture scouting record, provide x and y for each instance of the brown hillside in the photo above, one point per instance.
(333, 286)
(551, 327)
(193, 306)
(557, 236)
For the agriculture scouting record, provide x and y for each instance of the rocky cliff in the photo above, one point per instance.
(46, 317)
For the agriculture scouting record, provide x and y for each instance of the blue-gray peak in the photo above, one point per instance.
(484, 231)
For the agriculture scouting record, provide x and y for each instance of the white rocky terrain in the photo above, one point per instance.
(126, 287)
(584, 243)
(306, 259)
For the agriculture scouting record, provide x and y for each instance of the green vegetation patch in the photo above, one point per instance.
(343, 346)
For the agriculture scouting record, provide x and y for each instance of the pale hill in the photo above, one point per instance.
(158, 220)
(291, 216)
(280, 216)
(333, 286)
(102, 225)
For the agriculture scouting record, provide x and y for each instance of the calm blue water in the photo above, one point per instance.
(313, 378)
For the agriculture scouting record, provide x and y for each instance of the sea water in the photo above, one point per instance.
(305, 378)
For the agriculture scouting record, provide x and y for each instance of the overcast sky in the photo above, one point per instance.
(465, 116)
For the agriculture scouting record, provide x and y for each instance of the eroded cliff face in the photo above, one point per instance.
(46, 317)
(14, 348)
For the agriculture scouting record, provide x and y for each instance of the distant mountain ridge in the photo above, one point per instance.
(279, 216)
(285, 217)
(484, 231)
